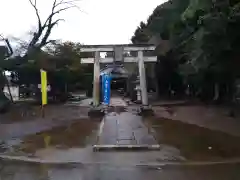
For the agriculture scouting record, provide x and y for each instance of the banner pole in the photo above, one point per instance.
(43, 91)
(43, 111)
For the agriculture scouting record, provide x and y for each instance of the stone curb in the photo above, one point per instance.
(19, 159)
(126, 147)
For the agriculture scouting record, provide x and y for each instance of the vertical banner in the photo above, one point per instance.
(102, 86)
(107, 88)
(44, 86)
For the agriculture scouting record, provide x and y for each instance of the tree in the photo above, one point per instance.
(5, 52)
(141, 35)
(213, 47)
(26, 67)
(40, 37)
(162, 23)
(204, 40)
(66, 61)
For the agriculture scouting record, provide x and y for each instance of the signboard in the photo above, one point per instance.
(118, 53)
(48, 87)
(106, 89)
(44, 86)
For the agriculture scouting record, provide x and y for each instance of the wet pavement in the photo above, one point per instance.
(76, 135)
(212, 117)
(195, 143)
(62, 127)
(30, 121)
(16, 171)
(124, 129)
(65, 152)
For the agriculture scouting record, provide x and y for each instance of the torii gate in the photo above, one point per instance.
(119, 56)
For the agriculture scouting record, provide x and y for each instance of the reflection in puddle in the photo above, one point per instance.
(194, 142)
(79, 134)
(116, 109)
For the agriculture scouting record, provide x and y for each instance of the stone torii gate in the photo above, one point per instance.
(122, 53)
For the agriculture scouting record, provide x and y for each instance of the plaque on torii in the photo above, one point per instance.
(118, 54)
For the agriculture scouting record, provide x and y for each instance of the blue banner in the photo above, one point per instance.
(103, 81)
(106, 89)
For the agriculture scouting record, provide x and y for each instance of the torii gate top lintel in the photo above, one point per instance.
(119, 50)
(111, 47)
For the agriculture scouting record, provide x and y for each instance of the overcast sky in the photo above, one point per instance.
(101, 22)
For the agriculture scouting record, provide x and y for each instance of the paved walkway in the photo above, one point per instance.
(124, 128)
(116, 101)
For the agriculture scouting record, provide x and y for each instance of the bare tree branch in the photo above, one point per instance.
(57, 21)
(47, 34)
(66, 2)
(49, 19)
(36, 35)
(74, 5)
(55, 5)
(50, 42)
(34, 5)
(47, 26)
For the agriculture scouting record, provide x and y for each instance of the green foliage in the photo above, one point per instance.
(195, 6)
(213, 44)
(141, 34)
(60, 60)
(161, 21)
(204, 36)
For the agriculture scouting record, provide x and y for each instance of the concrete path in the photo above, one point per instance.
(117, 101)
(124, 128)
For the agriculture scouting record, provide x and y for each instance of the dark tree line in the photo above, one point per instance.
(203, 39)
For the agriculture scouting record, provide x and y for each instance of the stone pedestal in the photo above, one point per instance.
(146, 111)
(96, 112)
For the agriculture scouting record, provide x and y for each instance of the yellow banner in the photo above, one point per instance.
(44, 86)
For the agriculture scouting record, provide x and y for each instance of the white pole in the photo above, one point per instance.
(142, 75)
(96, 81)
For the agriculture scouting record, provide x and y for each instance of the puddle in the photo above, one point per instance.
(77, 135)
(19, 113)
(29, 113)
(116, 109)
(194, 142)
(81, 102)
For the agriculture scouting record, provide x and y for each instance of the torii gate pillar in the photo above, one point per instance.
(96, 79)
(142, 76)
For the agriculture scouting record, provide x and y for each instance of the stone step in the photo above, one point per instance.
(155, 147)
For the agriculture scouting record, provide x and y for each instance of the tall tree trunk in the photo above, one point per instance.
(4, 101)
(8, 86)
(216, 92)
